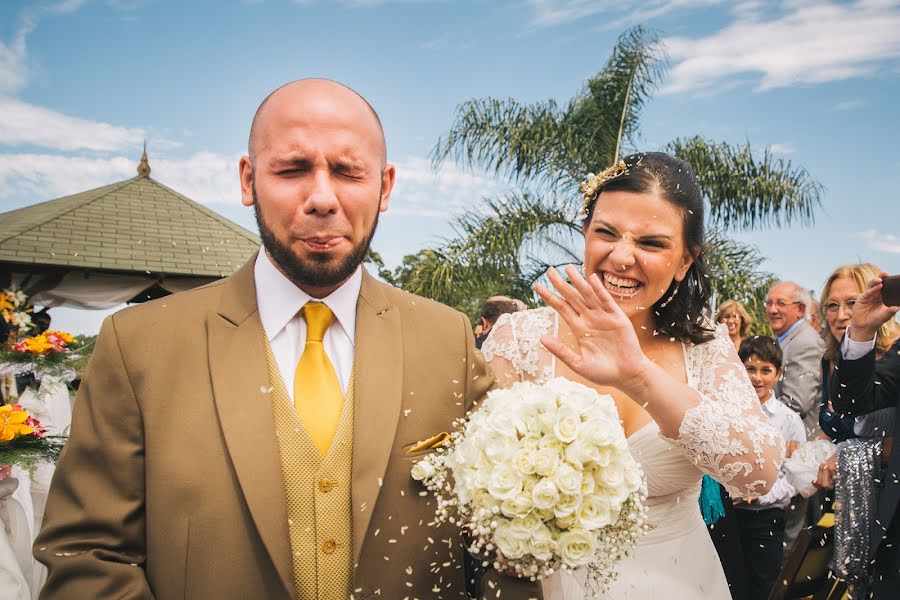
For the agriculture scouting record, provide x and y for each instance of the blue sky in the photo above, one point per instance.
(83, 82)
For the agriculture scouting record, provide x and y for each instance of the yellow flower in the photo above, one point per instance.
(12, 423)
(62, 335)
(6, 302)
(38, 345)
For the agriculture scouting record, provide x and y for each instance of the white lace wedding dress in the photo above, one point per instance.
(727, 436)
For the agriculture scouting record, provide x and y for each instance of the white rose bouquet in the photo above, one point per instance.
(542, 479)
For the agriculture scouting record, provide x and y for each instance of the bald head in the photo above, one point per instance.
(315, 91)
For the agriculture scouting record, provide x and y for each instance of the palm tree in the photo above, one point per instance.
(546, 149)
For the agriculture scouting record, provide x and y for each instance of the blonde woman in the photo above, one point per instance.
(733, 314)
(838, 298)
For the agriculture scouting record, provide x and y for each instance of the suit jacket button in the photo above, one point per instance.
(329, 546)
(326, 485)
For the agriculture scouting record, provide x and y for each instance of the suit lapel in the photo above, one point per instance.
(378, 388)
(241, 389)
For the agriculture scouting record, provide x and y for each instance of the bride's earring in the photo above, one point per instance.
(672, 297)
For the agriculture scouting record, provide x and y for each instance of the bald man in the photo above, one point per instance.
(253, 439)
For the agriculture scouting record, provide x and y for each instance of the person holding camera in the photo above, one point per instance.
(862, 386)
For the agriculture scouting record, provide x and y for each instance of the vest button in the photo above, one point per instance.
(326, 485)
(329, 546)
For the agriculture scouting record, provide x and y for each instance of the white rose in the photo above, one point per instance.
(602, 455)
(519, 506)
(567, 424)
(567, 479)
(587, 484)
(543, 514)
(577, 547)
(499, 449)
(594, 513)
(567, 522)
(509, 541)
(577, 454)
(546, 461)
(531, 424)
(567, 505)
(422, 470)
(545, 495)
(599, 432)
(467, 452)
(612, 475)
(524, 460)
(505, 482)
(500, 423)
(527, 524)
(542, 545)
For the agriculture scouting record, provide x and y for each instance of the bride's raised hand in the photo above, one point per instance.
(608, 351)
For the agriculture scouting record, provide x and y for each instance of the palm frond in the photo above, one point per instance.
(519, 141)
(747, 191)
(607, 113)
(486, 255)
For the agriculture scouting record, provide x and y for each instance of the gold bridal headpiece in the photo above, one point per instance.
(592, 184)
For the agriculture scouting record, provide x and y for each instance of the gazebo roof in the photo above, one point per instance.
(137, 225)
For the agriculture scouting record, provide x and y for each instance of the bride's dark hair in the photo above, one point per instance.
(685, 315)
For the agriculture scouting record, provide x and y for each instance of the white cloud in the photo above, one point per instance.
(13, 55)
(548, 13)
(13, 74)
(881, 242)
(848, 105)
(205, 177)
(808, 43)
(786, 148)
(423, 192)
(27, 124)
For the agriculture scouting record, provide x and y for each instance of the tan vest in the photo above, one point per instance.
(317, 491)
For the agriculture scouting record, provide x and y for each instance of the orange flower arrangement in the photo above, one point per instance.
(23, 442)
(49, 342)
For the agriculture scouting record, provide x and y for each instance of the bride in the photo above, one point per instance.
(636, 329)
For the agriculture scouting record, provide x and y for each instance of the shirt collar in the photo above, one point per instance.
(769, 406)
(784, 335)
(279, 300)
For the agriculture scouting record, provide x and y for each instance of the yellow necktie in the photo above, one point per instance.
(317, 392)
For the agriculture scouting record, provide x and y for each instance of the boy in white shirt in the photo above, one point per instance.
(761, 518)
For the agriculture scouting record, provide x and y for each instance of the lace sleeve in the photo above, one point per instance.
(513, 349)
(727, 435)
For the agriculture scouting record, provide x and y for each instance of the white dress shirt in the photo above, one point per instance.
(280, 301)
(853, 350)
(791, 427)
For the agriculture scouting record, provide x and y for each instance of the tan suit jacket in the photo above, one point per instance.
(170, 485)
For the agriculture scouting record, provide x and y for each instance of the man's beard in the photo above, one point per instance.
(317, 272)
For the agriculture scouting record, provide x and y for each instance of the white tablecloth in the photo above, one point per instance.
(23, 496)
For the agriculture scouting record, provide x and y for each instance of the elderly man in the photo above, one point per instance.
(253, 438)
(787, 307)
